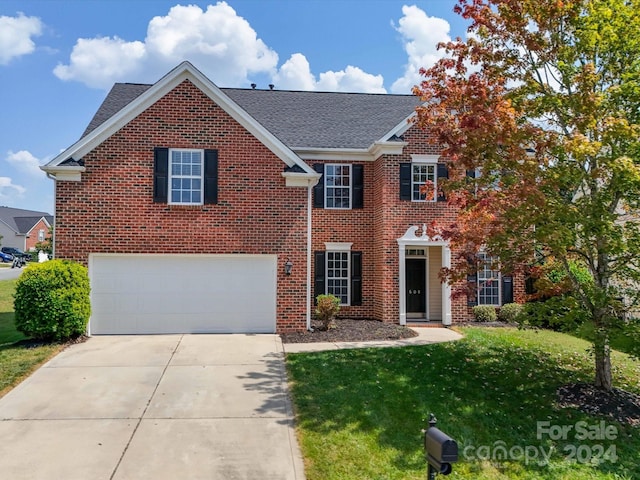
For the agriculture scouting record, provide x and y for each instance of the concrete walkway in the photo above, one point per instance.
(425, 336)
(154, 407)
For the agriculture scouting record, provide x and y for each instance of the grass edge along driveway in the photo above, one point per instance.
(17, 360)
(359, 413)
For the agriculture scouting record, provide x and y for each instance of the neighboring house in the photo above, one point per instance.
(23, 229)
(200, 209)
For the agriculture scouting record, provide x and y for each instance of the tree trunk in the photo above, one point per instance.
(603, 360)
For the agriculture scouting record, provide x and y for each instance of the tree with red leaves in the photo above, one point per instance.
(542, 102)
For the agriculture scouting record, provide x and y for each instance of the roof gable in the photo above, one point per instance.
(301, 119)
(22, 221)
(107, 123)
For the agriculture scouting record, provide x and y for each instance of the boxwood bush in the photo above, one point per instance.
(485, 313)
(52, 300)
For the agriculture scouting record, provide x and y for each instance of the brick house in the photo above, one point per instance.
(200, 209)
(23, 229)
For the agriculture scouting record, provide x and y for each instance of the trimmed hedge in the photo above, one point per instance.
(509, 312)
(485, 313)
(52, 300)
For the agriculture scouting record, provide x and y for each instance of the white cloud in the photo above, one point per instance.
(25, 161)
(295, 74)
(98, 62)
(218, 41)
(421, 34)
(15, 36)
(7, 188)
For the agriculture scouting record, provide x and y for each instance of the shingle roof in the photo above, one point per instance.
(22, 221)
(299, 119)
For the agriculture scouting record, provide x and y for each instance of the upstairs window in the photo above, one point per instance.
(337, 186)
(185, 177)
(341, 186)
(423, 182)
(420, 180)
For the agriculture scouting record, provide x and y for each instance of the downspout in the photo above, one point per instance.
(53, 240)
(309, 191)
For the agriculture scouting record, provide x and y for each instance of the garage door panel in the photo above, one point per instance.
(183, 294)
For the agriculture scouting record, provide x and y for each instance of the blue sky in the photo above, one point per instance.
(58, 59)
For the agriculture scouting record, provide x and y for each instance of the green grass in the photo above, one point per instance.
(360, 412)
(16, 361)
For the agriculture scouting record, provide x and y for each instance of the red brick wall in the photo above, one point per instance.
(112, 211)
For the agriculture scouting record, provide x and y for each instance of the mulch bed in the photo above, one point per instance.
(349, 330)
(617, 404)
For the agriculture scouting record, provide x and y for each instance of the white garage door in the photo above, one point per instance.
(142, 294)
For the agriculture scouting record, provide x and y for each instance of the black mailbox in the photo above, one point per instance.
(441, 450)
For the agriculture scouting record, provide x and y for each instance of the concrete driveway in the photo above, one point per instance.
(156, 407)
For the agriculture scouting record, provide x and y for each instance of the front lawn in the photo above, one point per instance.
(360, 412)
(17, 359)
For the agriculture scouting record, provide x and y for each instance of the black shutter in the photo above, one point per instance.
(471, 173)
(472, 295)
(356, 278)
(405, 181)
(160, 174)
(507, 289)
(357, 172)
(210, 176)
(443, 172)
(320, 275)
(318, 190)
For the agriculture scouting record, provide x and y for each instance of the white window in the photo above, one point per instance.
(337, 186)
(41, 235)
(338, 275)
(424, 178)
(185, 177)
(488, 280)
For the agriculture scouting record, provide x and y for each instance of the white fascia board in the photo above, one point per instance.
(401, 128)
(335, 154)
(184, 71)
(299, 179)
(69, 174)
(387, 148)
(34, 225)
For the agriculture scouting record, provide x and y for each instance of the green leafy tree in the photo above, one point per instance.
(543, 102)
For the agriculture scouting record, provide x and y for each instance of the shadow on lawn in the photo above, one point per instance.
(481, 391)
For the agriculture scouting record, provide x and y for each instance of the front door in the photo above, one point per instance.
(416, 288)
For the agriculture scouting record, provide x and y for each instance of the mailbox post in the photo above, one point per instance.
(440, 449)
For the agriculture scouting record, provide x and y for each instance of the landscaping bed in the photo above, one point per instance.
(351, 330)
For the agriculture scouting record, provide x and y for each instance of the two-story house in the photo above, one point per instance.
(201, 209)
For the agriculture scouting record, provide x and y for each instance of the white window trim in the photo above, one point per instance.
(326, 266)
(426, 160)
(331, 186)
(498, 280)
(338, 246)
(170, 176)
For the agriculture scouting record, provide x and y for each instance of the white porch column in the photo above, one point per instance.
(402, 278)
(446, 288)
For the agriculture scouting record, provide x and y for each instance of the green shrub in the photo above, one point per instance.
(561, 313)
(509, 312)
(327, 309)
(485, 313)
(52, 300)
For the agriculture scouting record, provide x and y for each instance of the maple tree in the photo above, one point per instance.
(542, 101)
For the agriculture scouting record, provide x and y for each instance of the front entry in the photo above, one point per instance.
(416, 288)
